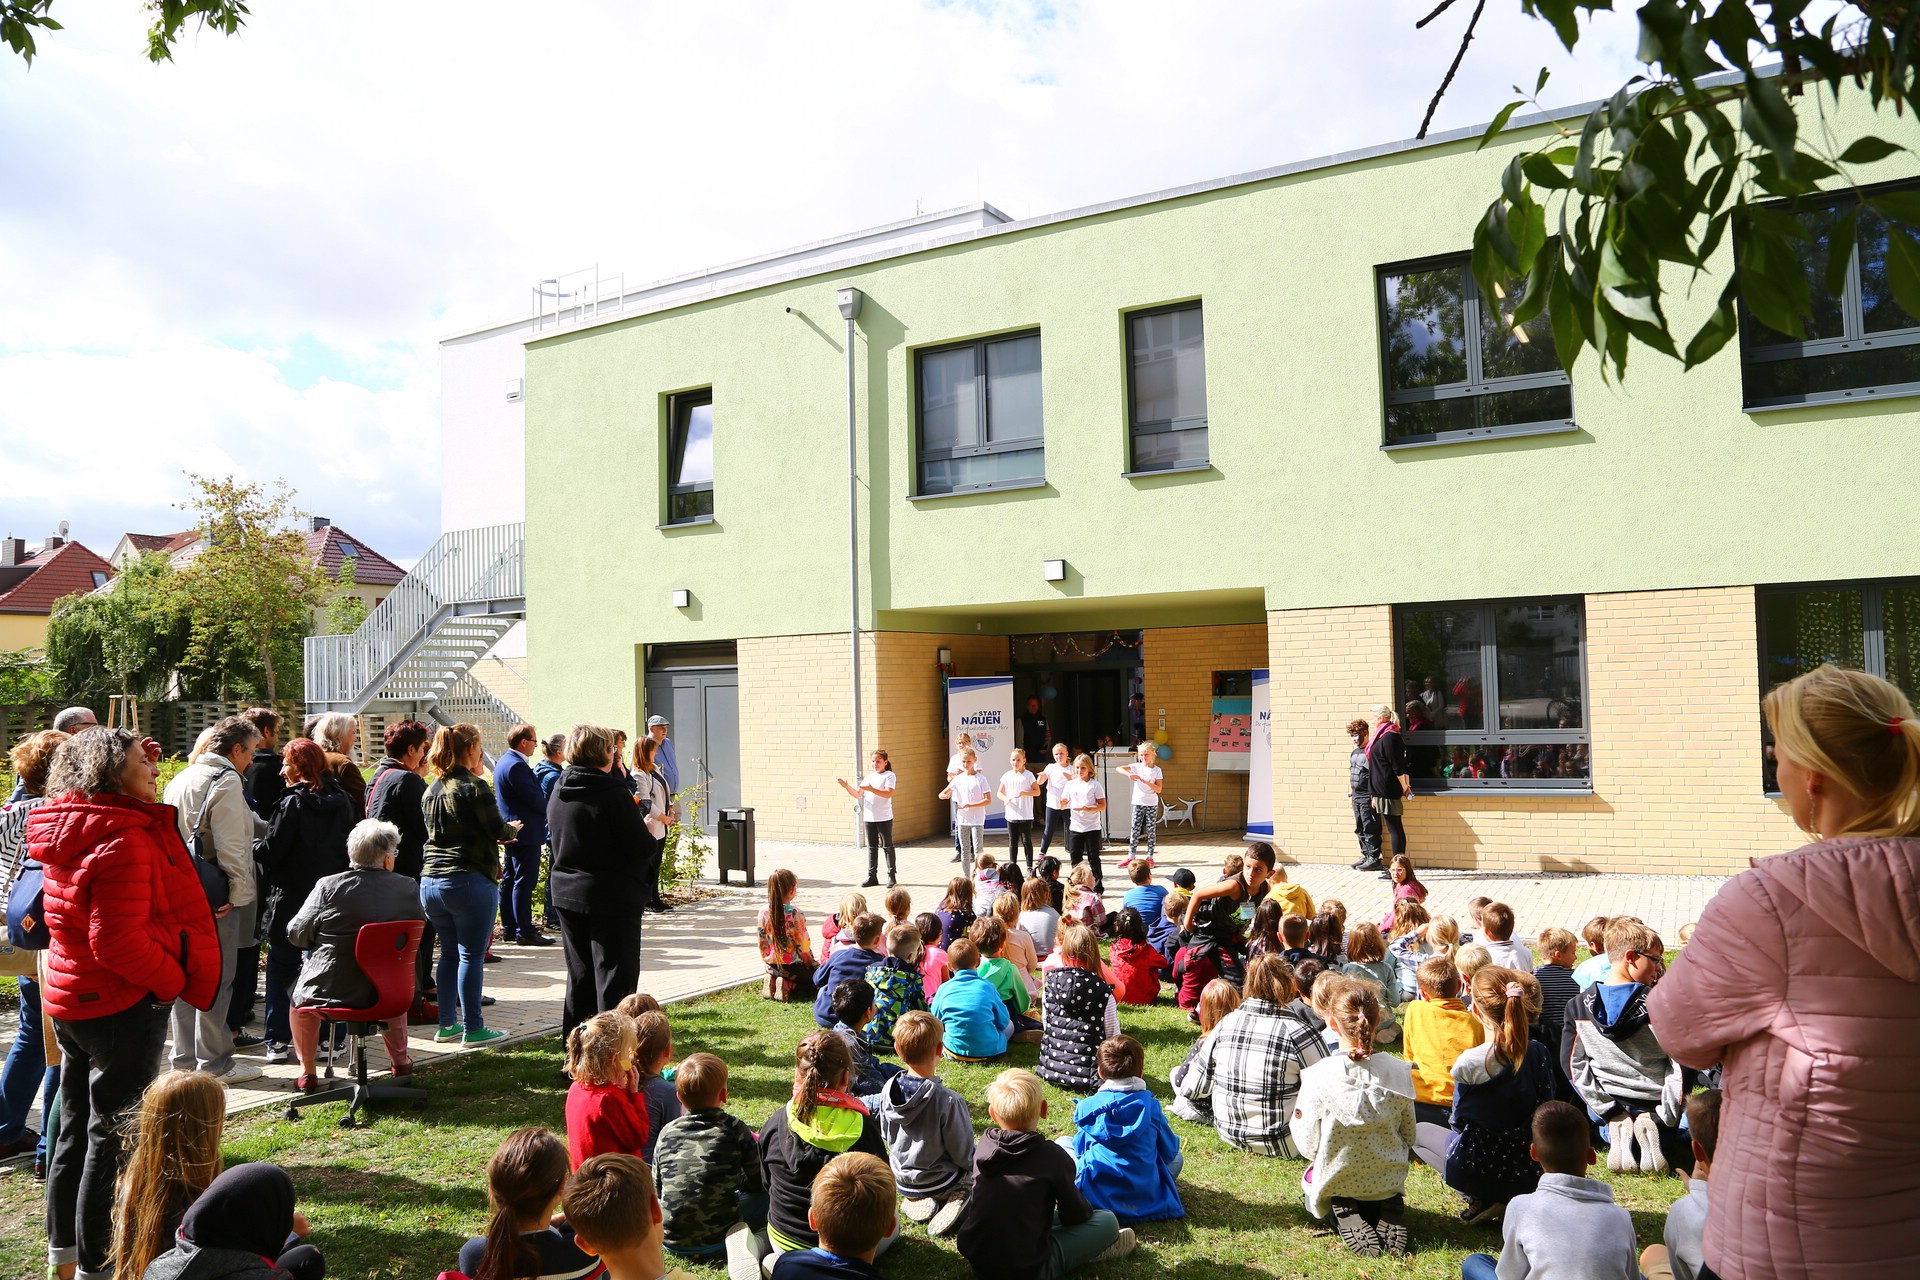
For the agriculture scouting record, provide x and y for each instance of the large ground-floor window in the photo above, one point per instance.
(1493, 693)
(1869, 626)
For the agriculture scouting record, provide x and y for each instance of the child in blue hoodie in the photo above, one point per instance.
(1125, 1156)
(847, 963)
(970, 1008)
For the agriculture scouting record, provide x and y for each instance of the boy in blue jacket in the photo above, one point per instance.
(847, 964)
(1125, 1155)
(970, 1008)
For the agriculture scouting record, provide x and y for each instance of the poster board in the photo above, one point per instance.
(983, 707)
(1230, 735)
(1260, 762)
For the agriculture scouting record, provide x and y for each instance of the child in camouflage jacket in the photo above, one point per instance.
(706, 1165)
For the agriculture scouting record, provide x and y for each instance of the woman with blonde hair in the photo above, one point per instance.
(460, 877)
(1803, 982)
(1389, 781)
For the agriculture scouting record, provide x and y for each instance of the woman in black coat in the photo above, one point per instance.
(598, 882)
(306, 841)
(398, 795)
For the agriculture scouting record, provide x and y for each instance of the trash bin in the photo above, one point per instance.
(736, 843)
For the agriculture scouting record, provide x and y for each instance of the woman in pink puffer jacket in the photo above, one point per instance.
(1803, 982)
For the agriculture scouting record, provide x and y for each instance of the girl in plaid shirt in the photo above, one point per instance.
(1252, 1064)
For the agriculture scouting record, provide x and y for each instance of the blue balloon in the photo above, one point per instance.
(1164, 751)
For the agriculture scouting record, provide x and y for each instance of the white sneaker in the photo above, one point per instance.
(743, 1255)
(239, 1073)
(1620, 1146)
(1119, 1248)
(918, 1208)
(947, 1217)
(1647, 1133)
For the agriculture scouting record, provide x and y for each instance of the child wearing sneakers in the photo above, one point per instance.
(605, 1110)
(974, 1016)
(1497, 1086)
(1438, 1030)
(853, 1214)
(1570, 1226)
(1026, 1219)
(610, 1204)
(927, 1129)
(822, 1120)
(1353, 1121)
(707, 1168)
(1682, 1257)
(1615, 1061)
(1147, 782)
(1126, 1157)
(898, 985)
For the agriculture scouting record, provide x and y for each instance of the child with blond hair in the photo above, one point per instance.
(1438, 1030)
(605, 1110)
(1217, 1000)
(927, 1128)
(1367, 961)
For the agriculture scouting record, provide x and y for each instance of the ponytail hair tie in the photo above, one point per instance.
(1893, 725)
(1514, 991)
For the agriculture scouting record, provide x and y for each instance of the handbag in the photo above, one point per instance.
(26, 909)
(213, 880)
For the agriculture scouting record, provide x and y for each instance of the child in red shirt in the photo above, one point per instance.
(606, 1114)
(1136, 965)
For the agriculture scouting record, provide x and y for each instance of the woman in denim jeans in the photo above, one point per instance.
(460, 880)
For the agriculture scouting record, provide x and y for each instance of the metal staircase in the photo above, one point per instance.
(416, 648)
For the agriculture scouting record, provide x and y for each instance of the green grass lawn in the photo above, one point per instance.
(398, 1199)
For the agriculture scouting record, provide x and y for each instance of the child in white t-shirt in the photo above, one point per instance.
(1146, 802)
(961, 742)
(968, 791)
(1056, 776)
(1086, 800)
(1018, 787)
(875, 794)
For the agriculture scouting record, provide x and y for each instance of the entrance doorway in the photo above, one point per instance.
(700, 698)
(1084, 681)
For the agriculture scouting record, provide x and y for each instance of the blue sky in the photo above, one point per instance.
(241, 262)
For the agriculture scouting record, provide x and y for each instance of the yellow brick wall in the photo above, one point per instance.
(1673, 694)
(1180, 662)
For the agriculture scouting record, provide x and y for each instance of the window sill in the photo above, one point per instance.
(1570, 792)
(1184, 469)
(1488, 433)
(1820, 399)
(694, 523)
(976, 490)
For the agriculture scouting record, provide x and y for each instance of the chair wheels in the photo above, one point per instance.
(419, 1104)
(292, 1112)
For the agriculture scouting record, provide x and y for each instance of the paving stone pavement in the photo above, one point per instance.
(710, 945)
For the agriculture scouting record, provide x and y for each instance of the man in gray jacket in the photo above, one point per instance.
(210, 798)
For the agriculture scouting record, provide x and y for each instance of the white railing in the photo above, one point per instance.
(473, 572)
(574, 296)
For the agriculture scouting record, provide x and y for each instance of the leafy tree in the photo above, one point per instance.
(26, 676)
(250, 594)
(19, 19)
(1658, 174)
(127, 639)
(346, 611)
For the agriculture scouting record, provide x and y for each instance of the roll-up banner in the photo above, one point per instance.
(983, 706)
(1260, 765)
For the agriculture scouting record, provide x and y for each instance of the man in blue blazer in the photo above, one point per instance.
(518, 794)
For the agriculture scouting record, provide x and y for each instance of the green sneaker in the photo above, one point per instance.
(445, 1034)
(486, 1035)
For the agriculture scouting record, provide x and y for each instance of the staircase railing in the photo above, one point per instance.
(468, 572)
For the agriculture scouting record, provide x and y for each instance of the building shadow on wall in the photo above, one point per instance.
(1445, 832)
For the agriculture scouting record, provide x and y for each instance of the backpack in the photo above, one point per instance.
(26, 909)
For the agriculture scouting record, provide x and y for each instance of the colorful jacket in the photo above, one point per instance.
(1138, 967)
(702, 1162)
(1123, 1152)
(898, 989)
(794, 1151)
(974, 1015)
(797, 950)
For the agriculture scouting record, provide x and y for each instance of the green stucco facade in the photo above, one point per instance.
(1667, 483)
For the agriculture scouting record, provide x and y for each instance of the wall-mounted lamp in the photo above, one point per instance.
(944, 657)
(1054, 570)
(682, 597)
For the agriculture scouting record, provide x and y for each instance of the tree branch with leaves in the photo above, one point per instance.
(20, 19)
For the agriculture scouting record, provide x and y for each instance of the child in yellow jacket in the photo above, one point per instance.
(1438, 1029)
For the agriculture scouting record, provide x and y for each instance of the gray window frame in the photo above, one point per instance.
(1855, 340)
(1160, 426)
(1476, 383)
(922, 455)
(679, 406)
(1490, 700)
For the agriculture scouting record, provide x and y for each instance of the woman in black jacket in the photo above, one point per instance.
(398, 795)
(460, 877)
(598, 882)
(306, 841)
(1388, 780)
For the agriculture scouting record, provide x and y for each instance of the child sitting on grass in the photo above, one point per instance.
(849, 963)
(1497, 1086)
(1682, 1256)
(615, 1216)
(986, 878)
(1080, 1013)
(854, 1216)
(821, 1121)
(990, 937)
(1470, 960)
(653, 1050)
(972, 1012)
(637, 1004)
(1353, 1121)
(1163, 928)
(899, 904)
(956, 911)
(934, 969)
(1038, 916)
(1196, 964)
(245, 1216)
(605, 1110)
(927, 1128)
(1570, 1226)
(1293, 939)
(1026, 1218)
(1438, 1030)
(1218, 1000)
(1496, 927)
(1594, 968)
(1137, 967)
(1614, 1058)
(1424, 938)
(1083, 898)
(1476, 914)
(852, 1009)
(1126, 1156)
(1367, 961)
(707, 1170)
(1263, 934)
(898, 986)
(1557, 987)
(1146, 897)
(1294, 899)
(837, 930)
(1020, 950)
(1327, 938)
(524, 1180)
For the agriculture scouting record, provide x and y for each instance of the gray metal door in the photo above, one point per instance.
(702, 708)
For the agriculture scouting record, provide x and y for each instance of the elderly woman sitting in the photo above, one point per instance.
(369, 892)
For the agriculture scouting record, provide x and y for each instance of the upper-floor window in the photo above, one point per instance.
(980, 421)
(1860, 342)
(1493, 694)
(1167, 388)
(348, 551)
(690, 457)
(1868, 626)
(99, 578)
(1454, 366)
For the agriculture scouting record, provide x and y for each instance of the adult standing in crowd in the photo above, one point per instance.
(1033, 730)
(1388, 783)
(399, 795)
(551, 765)
(27, 1070)
(69, 721)
(1802, 982)
(460, 886)
(875, 795)
(663, 754)
(130, 933)
(337, 732)
(306, 842)
(265, 786)
(1366, 823)
(597, 880)
(518, 794)
(209, 800)
(656, 813)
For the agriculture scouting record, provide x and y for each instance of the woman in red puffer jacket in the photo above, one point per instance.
(131, 933)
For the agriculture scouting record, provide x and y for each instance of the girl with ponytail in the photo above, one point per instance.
(606, 1114)
(821, 1121)
(1353, 1120)
(1497, 1086)
(524, 1181)
(784, 947)
(1801, 982)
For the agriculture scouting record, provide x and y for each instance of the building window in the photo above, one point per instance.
(99, 579)
(348, 551)
(1494, 694)
(1868, 626)
(1454, 368)
(980, 415)
(690, 458)
(1860, 342)
(1167, 388)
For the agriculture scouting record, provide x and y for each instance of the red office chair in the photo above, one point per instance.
(385, 953)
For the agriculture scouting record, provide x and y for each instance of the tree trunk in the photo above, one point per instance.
(266, 662)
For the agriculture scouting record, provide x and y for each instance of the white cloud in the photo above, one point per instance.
(241, 260)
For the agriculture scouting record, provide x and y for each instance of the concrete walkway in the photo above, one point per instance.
(710, 945)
